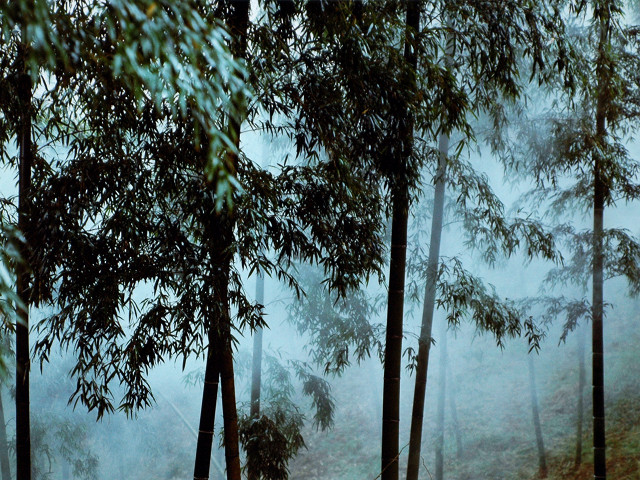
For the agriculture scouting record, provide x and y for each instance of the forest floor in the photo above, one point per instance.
(496, 458)
(623, 446)
(494, 412)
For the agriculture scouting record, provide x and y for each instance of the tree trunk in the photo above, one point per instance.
(229, 410)
(5, 466)
(442, 392)
(599, 458)
(581, 385)
(454, 413)
(221, 237)
(542, 458)
(219, 368)
(238, 26)
(393, 346)
(603, 100)
(424, 342)
(23, 435)
(256, 370)
(207, 411)
(395, 305)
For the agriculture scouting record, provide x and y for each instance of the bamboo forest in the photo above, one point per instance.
(319, 240)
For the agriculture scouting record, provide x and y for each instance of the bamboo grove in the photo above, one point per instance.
(126, 124)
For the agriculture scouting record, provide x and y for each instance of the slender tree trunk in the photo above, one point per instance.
(220, 358)
(5, 466)
(222, 240)
(256, 371)
(454, 413)
(219, 369)
(238, 25)
(581, 384)
(23, 435)
(599, 458)
(604, 81)
(542, 457)
(424, 342)
(393, 349)
(442, 392)
(229, 409)
(395, 306)
(207, 411)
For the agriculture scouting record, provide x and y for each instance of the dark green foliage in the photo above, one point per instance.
(350, 88)
(105, 50)
(270, 441)
(282, 214)
(124, 215)
(493, 46)
(273, 439)
(10, 246)
(550, 309)
(161, 249)
(133, 206)
(101, 93)
(463, 295)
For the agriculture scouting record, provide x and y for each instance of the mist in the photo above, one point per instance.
(319, 240)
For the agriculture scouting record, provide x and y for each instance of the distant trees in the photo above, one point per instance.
(442, 391)
(273, 438)
(5, 466)
(580, 140)
(535, 415)
(582, 380)
(477, 85)
(256, 364)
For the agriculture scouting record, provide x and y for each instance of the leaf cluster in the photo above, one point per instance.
(621, 252)
(549, 309)
(130, 209)
(340, 330)
(60, 439)
(463, 295)
(182, 68)
(273, 438)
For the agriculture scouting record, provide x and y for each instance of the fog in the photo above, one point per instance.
(487, 387)
(166, 189)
